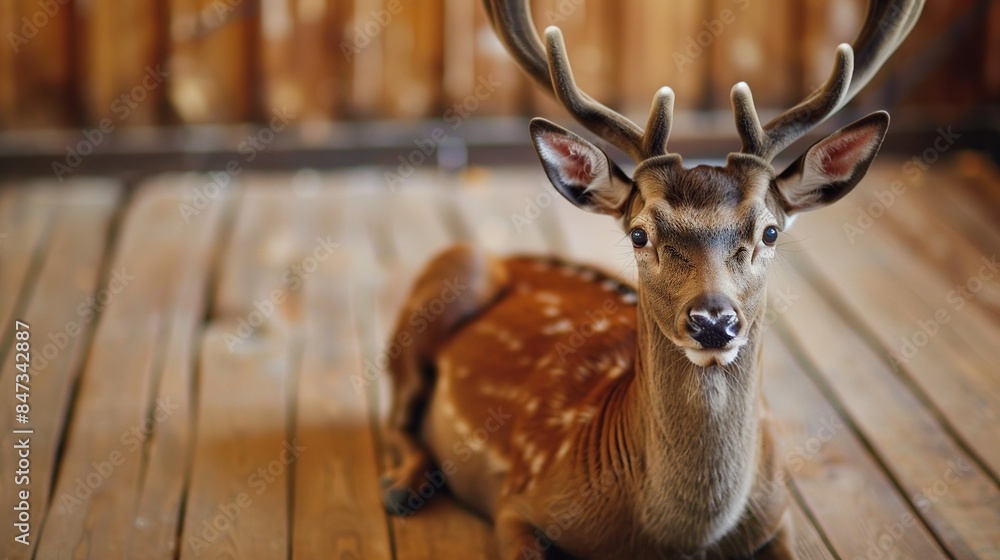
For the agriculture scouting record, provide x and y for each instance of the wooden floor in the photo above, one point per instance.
(206, 376)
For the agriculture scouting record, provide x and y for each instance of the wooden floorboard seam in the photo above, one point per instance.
(823, 386)
(104, 276)
(859, 326)
(811, 516)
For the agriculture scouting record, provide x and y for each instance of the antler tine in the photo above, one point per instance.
(886, 24)
(602, 121)
(549, 66)
(661, 114)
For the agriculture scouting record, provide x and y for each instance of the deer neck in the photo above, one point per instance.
(699, 432)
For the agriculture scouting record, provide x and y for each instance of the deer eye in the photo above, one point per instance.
(770, 235)
(639, 238)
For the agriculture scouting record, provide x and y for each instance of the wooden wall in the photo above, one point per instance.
(72, 63)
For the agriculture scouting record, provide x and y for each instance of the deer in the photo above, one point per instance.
(647, 437)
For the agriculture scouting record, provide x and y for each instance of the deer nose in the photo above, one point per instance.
(712, 321)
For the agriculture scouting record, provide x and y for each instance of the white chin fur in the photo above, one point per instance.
(705, 358)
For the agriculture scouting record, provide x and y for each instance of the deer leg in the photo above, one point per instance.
(462, 281)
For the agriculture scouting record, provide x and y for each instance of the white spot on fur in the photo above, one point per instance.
(551, 311)
(549, 298)
(630, 298)
(532, 405)
(537, 464)
(558, 327)
(601, 325)
(563, 449)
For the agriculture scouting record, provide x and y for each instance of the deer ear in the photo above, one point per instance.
(579, 170)
(833, 166)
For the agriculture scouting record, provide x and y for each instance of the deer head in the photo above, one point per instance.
(704, 237)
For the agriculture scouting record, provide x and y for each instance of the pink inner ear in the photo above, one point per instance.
(839, 155)
(575, 162)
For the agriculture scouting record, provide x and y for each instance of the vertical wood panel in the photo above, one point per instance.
(38, 55)
(211, 56)
(123, 46)
(480, 78)
(659, 49)
(750, 42)
(413, 41)
(301, 57)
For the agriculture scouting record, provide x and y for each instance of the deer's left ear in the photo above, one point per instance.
(833, 166)
(579, 170)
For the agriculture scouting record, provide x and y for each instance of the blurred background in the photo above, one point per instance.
(179, 84)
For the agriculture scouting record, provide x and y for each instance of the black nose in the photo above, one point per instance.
(712, 321)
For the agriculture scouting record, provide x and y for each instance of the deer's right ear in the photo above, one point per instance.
(579, 170)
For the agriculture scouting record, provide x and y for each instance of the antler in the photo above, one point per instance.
(887, 23)
(512, 21)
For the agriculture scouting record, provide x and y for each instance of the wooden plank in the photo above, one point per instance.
(479, 77)
(661, 49)
(412, 65)
(26, 212)
(365, 54)
(106, 454)
(929, 330)
(66, 280)
(854, 501)
(238, 501)
(38, 57)
(211, 76)
(161, 494)
(949, 490)
(509, 211)
(755, 47)
(337, 503)
(441, 528)
(301, 57)
(123, 45)
(824, 26)
(916, 222)
(809, 544)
